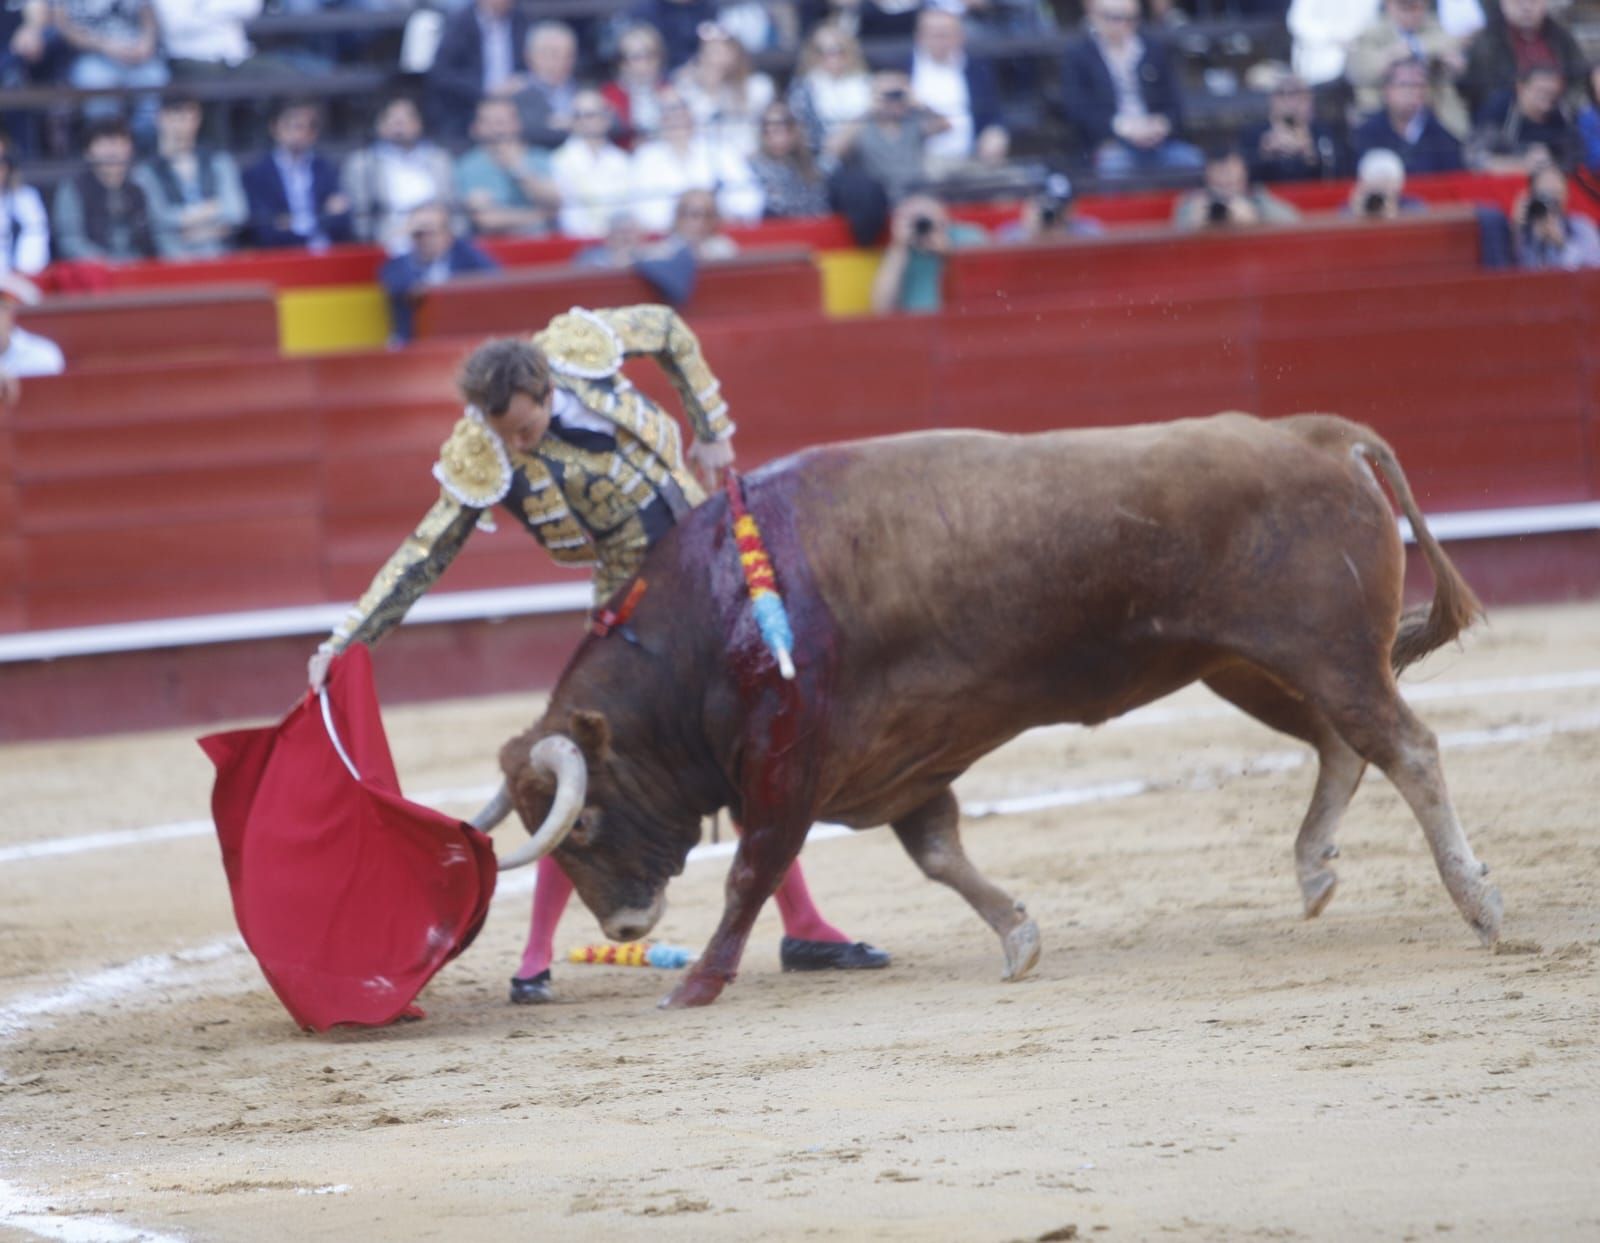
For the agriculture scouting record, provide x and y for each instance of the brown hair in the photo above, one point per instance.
(497, 369)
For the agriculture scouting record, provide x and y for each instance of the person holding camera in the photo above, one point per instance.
(1379, 190)
(1524, 129)
(1546, 236)
(1292, 145)
(910, 276)
(1049, 214)
(1228, 199)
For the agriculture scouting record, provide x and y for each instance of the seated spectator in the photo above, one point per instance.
(697, 228)
(1379, 192)
(831, 92)
(115, 43)
(1408, 30)
(590, 171)
(24, 226)
(101, 213)
(293, 192)
(623, 245)
(196, 198)
(1521, 130)
(1407, 126)
(891, 145)
(1291, 144)
(681, 159)
(1322, 31)
(790, 182)
(910, 276)
(1521, 36)
(23, 354)
(951, 84)
(476, 56)
(206, 39)
(1120, 91)
(679, 23)
(506, 186)
(1228, 199)
(1049, 214)
(399, 171)
(726, 96)
(545, 93)
(1588, 125)
(1546, 235)
(432, 256)
(635, 93)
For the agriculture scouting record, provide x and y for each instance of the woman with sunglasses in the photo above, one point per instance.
(783, 167)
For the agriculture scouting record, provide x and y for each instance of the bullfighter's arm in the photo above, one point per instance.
(659, 332)
(414, 567)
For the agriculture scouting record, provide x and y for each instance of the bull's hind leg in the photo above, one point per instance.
(932, 836)
(1339, 773)
(1361, 701)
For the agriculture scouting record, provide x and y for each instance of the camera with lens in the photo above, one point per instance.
(1539, 208)
(1217, 211)
(1374, 204)
(922, 227)
(1049, 213)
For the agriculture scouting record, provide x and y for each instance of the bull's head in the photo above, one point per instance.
(577, 801)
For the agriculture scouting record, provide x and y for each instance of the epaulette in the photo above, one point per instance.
(581, 344)
(473, 466)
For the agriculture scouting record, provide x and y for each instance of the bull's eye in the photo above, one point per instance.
(587, 828)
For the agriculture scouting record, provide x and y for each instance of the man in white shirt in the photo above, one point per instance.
(205, 38)
(962, 91)
(589, 170)
(22, 353)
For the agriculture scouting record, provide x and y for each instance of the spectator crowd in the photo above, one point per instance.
(645, 130)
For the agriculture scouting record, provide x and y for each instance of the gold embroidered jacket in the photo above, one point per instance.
(590, 500)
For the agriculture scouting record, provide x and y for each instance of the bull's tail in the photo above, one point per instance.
(1429, 626)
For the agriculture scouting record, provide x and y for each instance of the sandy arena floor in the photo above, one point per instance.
(1191, 1060)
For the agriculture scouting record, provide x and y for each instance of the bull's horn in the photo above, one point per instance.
(494, 811)
(559, 757)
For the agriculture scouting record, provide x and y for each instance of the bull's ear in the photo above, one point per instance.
(592, 732)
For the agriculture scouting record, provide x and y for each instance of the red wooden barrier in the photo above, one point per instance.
(765, 283)
(138, 326)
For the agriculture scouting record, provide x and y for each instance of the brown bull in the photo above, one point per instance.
(950, 590)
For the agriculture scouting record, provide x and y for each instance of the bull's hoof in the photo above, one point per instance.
(1021, 945)
(1318, 890)
(693, 990)
(1486, 921)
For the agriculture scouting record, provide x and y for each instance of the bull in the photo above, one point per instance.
(949, 590)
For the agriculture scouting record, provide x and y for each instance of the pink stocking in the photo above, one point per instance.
(550, 897)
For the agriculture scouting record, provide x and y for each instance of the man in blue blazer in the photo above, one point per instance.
(480, 52)
(948, 82)
(293, 193)
(1119, 89)
(435, 255)
(1407, 125)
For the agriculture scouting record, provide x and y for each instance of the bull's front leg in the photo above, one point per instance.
(764, 856)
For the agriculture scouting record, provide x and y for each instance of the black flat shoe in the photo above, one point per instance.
(533, 991)
(798, 955)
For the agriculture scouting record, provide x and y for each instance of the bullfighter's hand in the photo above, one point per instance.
(317, 668)
(710, 458)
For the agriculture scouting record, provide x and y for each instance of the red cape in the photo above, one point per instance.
(349, 896)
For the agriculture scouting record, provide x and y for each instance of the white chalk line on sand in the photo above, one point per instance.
(152, 971)
(1578, 679)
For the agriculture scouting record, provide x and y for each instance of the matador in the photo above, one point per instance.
(558, 438)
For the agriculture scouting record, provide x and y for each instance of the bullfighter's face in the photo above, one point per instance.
(524, 422)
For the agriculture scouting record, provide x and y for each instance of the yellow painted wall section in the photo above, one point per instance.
(847, 280)
(333, 317)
